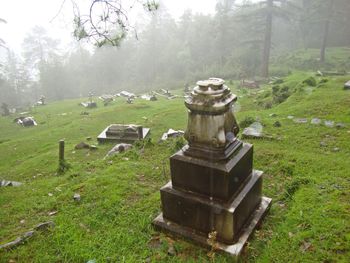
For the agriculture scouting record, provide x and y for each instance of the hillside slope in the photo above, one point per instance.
(309, 183)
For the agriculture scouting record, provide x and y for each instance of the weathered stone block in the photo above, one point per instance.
(220, 180)
(205, 215)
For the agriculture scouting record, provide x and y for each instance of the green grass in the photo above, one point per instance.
(309, 184)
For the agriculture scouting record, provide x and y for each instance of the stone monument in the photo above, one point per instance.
(214, 190)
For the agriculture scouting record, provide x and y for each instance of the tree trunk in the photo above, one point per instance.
(267, 40)
(325, 32)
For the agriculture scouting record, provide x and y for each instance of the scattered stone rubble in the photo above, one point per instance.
(42, 227)
(172, 134)
(119, 148)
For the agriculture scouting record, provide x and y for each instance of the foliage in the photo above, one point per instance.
(107, 22)
(310, 81)
(280, 93)
(246, 122)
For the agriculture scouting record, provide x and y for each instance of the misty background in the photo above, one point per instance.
(224, 39)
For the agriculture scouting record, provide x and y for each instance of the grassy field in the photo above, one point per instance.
(310, 184)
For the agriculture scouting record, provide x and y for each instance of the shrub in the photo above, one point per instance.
(310, 81)
(294, 186)
(246, 122)
(268, 105)
(280, 94)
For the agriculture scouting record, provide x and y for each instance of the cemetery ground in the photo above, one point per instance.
(306, 166)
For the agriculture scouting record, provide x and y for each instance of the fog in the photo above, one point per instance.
(168, 48)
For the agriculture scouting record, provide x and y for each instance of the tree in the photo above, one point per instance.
(107, 21)
(38, 47)
(264, 13)
(2, 42)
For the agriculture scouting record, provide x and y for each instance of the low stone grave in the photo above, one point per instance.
(26, 121)
(126, 94)
(89, 104)
(4, 183)
(149, 97)
(41, 101)
(251, 84)
(106, 99)
(123, 133)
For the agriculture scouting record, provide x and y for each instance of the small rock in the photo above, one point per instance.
(22, 221)
(93, 147)
(44, 226)
(290, 117)
(277, 124)
(50, 194)
(347, 85)
(82, 145)
(323, 144)
(305, 246)
(76, 197)
(52, 213)
(316, 121)
(300, 120)
(171, 250)
(155, 242)
(336, 149)
(329, 124)
(340, 125)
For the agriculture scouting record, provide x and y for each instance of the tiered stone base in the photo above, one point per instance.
(234, 249)
(205, 196)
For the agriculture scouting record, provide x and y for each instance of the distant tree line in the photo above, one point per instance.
(236, 42)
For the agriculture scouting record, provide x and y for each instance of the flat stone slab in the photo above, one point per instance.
(235, 249)
(316, 121)
(253, 131)
(301, 120)
(329, 124)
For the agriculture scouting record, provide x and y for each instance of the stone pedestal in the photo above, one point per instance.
(213, 186)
